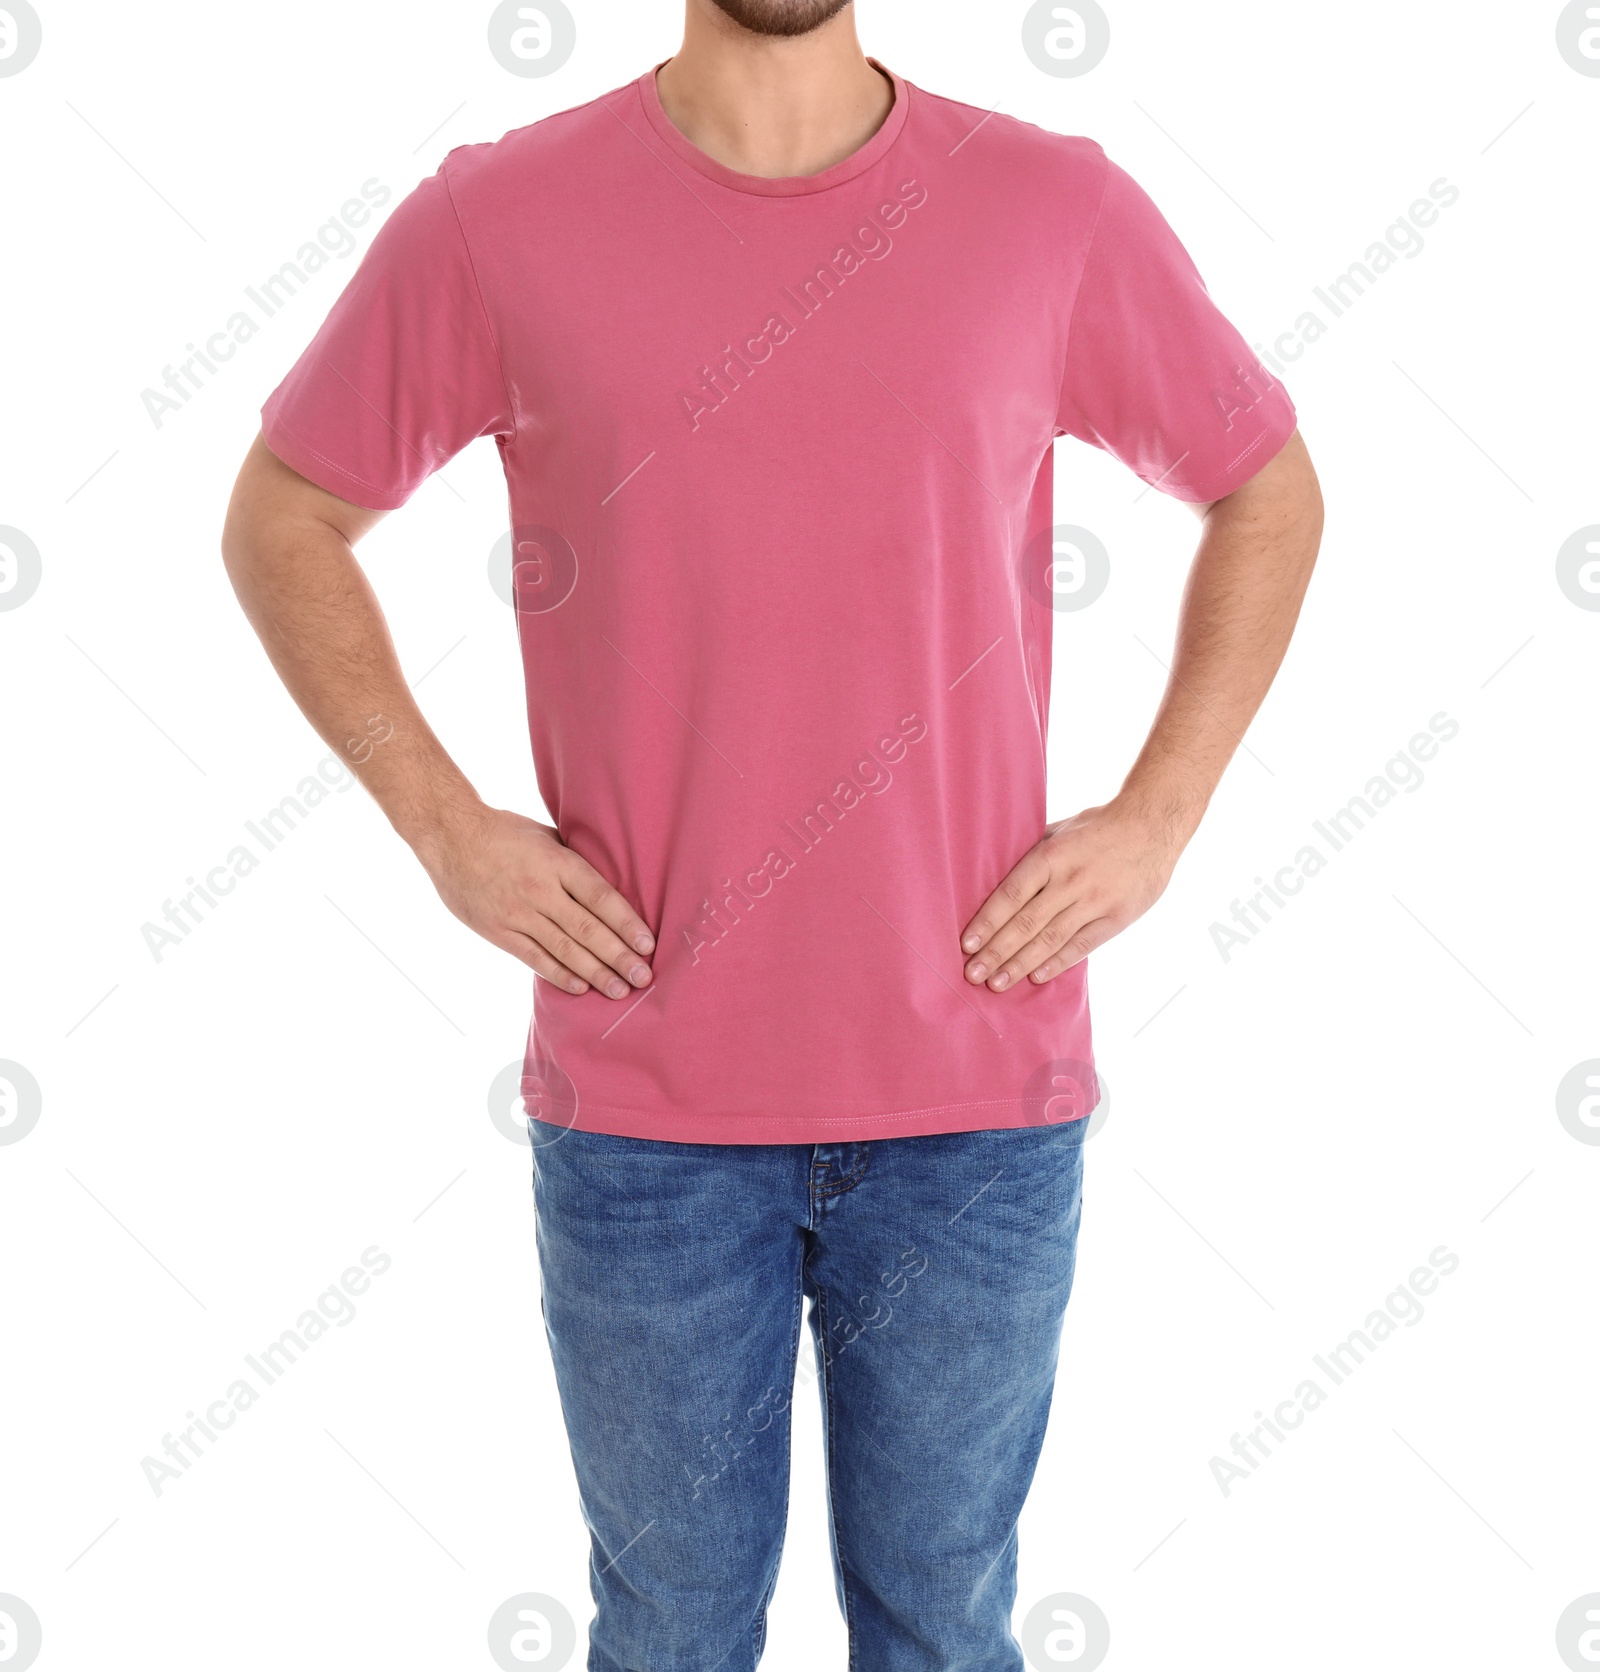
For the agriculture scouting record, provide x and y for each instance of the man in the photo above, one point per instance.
(775, 347)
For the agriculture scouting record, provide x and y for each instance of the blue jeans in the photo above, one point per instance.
(938, 1270)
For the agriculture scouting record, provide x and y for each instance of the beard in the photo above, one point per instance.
(780, 17)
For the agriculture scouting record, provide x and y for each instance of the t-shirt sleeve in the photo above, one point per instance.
(1155, 374)
(404, 372)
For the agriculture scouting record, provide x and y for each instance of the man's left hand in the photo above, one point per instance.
(1085, 881)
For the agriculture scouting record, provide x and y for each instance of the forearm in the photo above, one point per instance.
(1243, 597)
(288, 549)
(298, 581)
(1094, 873)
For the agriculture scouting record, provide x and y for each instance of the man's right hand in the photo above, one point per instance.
(519, 886)
(288, 548)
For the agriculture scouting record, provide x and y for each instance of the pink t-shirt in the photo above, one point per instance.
(779, 461)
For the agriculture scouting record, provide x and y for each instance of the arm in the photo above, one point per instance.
(288, 550)
(1095, 873)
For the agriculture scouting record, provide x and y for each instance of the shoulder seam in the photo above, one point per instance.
(530, 127)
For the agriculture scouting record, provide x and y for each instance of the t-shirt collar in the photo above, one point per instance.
(796, 185)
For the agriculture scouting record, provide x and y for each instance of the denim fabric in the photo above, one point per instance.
(938, 1270)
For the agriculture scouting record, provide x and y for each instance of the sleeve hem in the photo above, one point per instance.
(1254, 458)
(317, 468)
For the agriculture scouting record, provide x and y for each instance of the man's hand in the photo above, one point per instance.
(1093, 874)
(519, 886)
(288, 547)
(1087, 880)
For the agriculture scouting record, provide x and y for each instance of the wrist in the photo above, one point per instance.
(429, 825)
(1167, 811)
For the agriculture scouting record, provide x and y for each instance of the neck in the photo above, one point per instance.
(772, 106)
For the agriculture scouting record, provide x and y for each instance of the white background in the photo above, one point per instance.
(1373, 1076)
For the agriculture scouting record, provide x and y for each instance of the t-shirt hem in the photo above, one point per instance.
(685, 1128)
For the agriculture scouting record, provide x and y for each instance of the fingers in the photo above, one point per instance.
(553, 951)
(1060, 947)
(1041, 925)
(601, 900)
(584, 945)
(1040, 943)
(1027, 922)
(599, 935)
(1085, 880)
(515, 882)
(540, 961)
(1026, 879)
